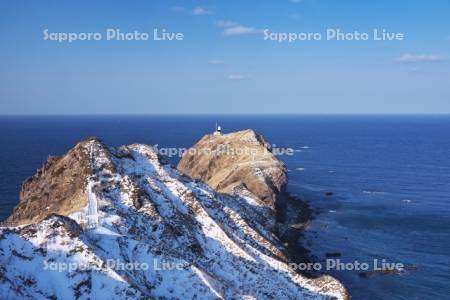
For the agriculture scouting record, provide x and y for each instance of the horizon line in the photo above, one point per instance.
(225, 114)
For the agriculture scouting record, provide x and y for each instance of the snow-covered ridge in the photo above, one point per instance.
(196, 243)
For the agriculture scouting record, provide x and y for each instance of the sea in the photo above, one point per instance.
(379, 184)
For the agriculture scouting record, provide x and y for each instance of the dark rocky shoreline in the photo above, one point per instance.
(294, 219)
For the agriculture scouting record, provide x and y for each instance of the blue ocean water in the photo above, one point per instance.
(389, 175)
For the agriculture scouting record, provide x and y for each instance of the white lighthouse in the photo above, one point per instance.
(218, 130)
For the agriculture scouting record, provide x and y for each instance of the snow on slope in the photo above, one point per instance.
(149, 232)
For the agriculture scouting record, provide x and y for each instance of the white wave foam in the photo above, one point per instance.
(373, 192)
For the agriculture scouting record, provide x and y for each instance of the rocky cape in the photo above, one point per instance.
(169, 236)
(238, 163)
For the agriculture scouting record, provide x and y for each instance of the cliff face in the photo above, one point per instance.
(59, 187)
(237, 163)
(123, 224)
(242, 164)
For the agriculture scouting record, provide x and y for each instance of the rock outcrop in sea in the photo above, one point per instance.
(121, 223)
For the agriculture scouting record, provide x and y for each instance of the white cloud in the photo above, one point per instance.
(235, 77)
(234, 28)
(238, 30)
(201, 11)
(215, 62)
(419, 58)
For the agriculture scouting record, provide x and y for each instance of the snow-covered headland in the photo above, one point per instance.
(121, 223)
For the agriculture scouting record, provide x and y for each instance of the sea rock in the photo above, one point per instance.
(388, 272)
(379, 273)
(124, 224)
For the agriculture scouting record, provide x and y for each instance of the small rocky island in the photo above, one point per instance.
(106, 222)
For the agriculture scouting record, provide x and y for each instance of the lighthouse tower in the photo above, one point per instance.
(218, 130)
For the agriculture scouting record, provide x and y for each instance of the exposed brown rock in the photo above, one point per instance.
(138, 197)
(59, 187)
(235, 162)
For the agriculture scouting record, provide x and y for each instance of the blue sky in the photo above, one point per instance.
(224, 65)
